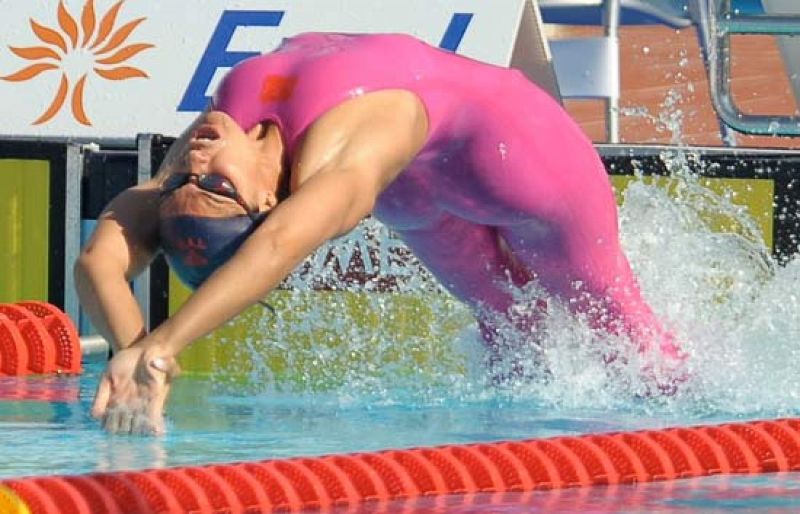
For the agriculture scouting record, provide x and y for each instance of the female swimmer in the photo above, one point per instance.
(483, 174)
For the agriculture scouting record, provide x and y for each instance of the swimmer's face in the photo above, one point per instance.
(247, 159)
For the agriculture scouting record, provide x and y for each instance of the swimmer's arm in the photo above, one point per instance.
(344, 164)
(123, 244)
(296, 228)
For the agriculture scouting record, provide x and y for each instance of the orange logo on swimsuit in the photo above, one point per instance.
(77, 51)
(277, 88)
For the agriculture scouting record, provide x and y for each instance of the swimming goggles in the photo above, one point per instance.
(211, 182)
(216, 184)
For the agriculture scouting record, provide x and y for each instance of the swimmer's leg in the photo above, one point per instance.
(474, 265)
(585, 266)
(582, 262)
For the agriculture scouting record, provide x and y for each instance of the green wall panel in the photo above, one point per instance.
(24, 229)
(309, 341)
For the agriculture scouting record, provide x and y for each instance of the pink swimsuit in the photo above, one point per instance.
(506, 187)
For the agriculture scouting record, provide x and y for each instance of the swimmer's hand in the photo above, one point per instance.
(133, 390)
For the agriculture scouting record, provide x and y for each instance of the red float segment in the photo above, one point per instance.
(309, 483)
(13, 351)
(96, 498)
(41, 350)
(50, 340)
(63, 333)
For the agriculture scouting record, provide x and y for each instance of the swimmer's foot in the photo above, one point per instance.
(663, 378)
(504, 376)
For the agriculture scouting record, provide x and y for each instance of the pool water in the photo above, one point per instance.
(733, 309)
(209, 425)
(216, 424)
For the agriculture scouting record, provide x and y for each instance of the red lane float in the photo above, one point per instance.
(62, 332)
(37, 338)
(513, 466)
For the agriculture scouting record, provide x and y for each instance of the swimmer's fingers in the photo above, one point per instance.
(132, 394)
(143, 425)
(128, 416)
(146, 417)
(118, 421)
(125, 422)
(160, 393)
(101, 397)
(114, 384)
(117, 412)
(112, 419)
(155, 413)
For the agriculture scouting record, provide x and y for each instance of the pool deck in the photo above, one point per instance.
(657, 61)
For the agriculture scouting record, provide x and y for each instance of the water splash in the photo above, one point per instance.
(670, 117)
(729, 301)
(731, 306)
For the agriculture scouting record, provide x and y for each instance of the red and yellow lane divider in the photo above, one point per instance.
(10, 503)
(299, 484)
(37, 338)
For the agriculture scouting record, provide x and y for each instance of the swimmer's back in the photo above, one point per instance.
(309, 74)
(491, 131)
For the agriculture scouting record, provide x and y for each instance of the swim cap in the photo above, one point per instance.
(195, 246)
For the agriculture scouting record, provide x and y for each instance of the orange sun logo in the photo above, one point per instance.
(78, 51)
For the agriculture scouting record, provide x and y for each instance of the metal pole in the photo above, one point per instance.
(72, 228)
(611, 15)
(141, 285)
(93, 345)
(773, 25)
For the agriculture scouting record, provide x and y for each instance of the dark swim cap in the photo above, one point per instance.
(195, 246)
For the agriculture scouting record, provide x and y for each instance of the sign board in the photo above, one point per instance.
(100, 68)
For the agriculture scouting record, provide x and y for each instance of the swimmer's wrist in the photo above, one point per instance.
(158, 355)
(158, 346)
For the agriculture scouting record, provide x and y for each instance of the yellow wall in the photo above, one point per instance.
(24, 229)
(308, 342)
(755, 196)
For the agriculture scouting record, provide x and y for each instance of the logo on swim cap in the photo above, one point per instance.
(196, 246)
(193, 249)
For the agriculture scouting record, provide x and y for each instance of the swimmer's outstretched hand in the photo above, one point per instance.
(133, 390)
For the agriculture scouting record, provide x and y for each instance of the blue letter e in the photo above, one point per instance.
(218, 56)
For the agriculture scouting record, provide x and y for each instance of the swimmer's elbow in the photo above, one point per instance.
(89, 265)
(88, 271)
(101, 263)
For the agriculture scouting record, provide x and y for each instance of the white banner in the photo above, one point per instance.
(100, 68)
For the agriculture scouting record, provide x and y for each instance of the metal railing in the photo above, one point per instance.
(717, 22)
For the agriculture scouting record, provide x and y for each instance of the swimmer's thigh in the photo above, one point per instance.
(579, 257)
(468, 260)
